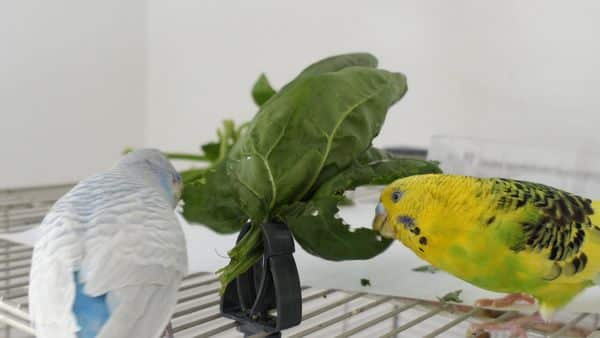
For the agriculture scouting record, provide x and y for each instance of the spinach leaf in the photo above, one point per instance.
(314, 222)
(308, 144)
(453, 296)
(377, 172)
(211, 151)
(317, 229)
(374, 154)
(426, 268)
(192, 175)
(208, 192)
(316, 123)
(209, 200)
(262, 90)
(339, 62)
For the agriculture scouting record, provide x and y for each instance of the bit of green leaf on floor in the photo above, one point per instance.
(365, 282)
(453, 296)
(426, 268)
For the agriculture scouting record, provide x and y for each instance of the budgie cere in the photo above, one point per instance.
(498, 234)
(112, 254)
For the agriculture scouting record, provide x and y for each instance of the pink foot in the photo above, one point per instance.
(515, 327)
(168, 333)
(505, 301)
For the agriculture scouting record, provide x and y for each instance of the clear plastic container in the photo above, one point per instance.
(573, 170)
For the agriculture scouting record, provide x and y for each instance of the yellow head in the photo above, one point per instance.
(400, 206)
(410, 206)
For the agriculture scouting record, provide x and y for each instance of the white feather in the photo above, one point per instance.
(124, 239)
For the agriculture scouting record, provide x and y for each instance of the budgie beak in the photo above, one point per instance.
(380, 217)
(178, 190)
(382, 224)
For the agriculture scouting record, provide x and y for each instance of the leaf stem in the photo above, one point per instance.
(243, 256)
(190, 157)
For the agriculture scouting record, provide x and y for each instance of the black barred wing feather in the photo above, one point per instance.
(559, 231)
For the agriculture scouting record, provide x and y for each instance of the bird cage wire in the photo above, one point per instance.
(326, 313)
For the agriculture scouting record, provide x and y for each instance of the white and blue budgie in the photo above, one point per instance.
(112, 254)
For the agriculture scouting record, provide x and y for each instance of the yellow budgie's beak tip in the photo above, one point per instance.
(380, 217)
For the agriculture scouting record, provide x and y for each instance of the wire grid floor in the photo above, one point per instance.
(326, 313)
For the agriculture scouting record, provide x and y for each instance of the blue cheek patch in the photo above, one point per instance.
(167, 185)
(91, 312)
(407, 221)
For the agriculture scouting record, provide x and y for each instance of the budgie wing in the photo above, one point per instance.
(51, 282)
(553, 224)
(140, 268)
(137, 266)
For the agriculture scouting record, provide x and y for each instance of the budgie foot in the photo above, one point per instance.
(168, 333)
(505, 301)
(517, 327)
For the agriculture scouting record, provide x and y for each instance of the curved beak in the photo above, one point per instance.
(380, 217)
(382, 224)
(178, 190)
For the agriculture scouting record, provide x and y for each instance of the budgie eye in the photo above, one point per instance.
(176, 178)
(396, 195)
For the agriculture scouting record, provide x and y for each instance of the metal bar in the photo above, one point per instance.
(9, 277)
(16, 324)
(332, 305)
(194, 285)
(414, 322)
(339, 318)
(16, 259)
(6, 243)
(16, 267)
(17, 251)
(16, 228)
(319, 294)
(378, 319)
(569, 325)
(194, 275)
(219, 329)
(15, 311)
(452, 323)
(198, 295)
(11, 296)
(196, 308)
(14, 286)
(197, 322)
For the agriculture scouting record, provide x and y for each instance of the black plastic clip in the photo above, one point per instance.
(271, 284)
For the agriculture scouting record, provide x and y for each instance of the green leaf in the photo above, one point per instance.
(339, 62)
(244, 255)
(211, 151)
(314, 222)
(453, 296)
(191, 175)
(321, 233)
(262, 90)
(374, 154)
(186, 157)
(426, 268)
(365, 282)
(325, 120)
(377, 172)
(208, 200)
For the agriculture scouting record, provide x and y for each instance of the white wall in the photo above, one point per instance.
(78, 81)
(515, 70)
(72, 87)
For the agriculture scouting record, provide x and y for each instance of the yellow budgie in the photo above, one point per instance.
(498, 234)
